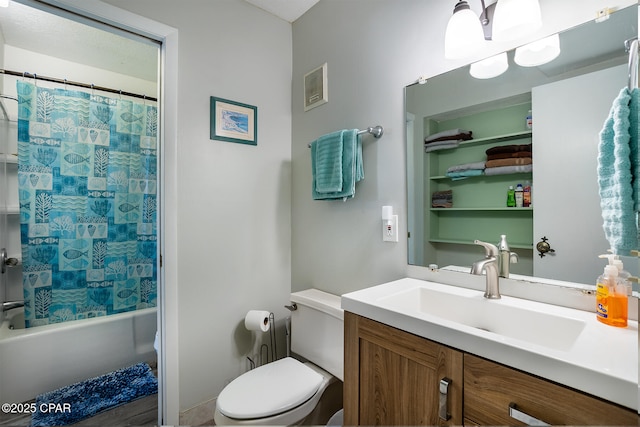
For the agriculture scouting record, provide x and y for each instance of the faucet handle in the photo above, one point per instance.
(489, 248)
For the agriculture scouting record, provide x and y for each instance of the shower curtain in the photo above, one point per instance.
(87, 169)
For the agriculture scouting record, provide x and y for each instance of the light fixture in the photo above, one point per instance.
(4, 3)
(490, 67)
(513, 19)
(538, 52)
(464, 34)
(502, 20)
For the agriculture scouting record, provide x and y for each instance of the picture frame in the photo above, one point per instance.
(315, 88)
(233, 121)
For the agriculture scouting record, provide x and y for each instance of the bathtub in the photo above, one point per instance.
(44, 358)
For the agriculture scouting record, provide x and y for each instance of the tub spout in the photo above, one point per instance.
(10, 305)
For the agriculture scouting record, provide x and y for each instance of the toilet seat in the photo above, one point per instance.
(271, 389)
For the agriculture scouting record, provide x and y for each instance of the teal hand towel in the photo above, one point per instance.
(352, 167)
(615, 187)
(634, 148)
(327, 158)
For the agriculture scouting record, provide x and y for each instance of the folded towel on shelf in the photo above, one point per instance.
(448, 135)
(442, 199)
(441, 145)
(442, 193)
(466, 166)
(514, 161)
(513, 148)
(441, 203)
(351, 166)
(515, 155)
(465, 174)
(620, 218)
(503, 170)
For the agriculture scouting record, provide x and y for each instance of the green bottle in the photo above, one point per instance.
(511, 197)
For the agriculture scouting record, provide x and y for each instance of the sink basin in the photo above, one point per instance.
(507, 317)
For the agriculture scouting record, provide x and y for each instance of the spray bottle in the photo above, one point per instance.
(612, 303)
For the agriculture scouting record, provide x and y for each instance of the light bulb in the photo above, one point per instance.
(490, 67)
(513, 19)
(464, 34)
(538, 52)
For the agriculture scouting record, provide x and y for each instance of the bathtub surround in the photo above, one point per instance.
(87, 167)
(34, 362)
(87, 398)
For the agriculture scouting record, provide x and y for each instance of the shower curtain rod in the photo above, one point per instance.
(78, 84)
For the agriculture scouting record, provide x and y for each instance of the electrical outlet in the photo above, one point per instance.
(390, 232)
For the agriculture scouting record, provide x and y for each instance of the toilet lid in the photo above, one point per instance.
(269, 390)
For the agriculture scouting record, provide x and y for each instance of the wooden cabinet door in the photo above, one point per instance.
(490, 389)
(393, 377)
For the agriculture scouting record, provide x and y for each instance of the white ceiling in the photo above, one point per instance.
(34, 30)
(289, 10)
(45, 33)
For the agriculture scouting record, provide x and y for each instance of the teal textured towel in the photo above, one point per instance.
(634, 130)
(328, 162)
(615, 180)
(352, 169)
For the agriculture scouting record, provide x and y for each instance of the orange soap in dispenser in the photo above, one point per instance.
(612, 302)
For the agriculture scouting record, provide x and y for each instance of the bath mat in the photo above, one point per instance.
(75, 402)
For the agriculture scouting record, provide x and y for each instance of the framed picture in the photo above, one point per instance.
(233, 121)
(315, 87)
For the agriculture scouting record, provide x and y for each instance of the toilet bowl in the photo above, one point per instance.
(287, 391)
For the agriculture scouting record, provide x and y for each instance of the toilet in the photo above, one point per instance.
(288, 391)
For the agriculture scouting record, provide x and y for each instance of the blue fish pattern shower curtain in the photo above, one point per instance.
(87, 168)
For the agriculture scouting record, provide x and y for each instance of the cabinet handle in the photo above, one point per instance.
(524, 417)
(444, 396)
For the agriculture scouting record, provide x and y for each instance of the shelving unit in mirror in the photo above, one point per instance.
(476, 175)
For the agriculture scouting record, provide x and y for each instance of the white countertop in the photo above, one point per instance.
(602, 361)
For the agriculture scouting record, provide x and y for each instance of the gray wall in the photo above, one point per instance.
(337, 246)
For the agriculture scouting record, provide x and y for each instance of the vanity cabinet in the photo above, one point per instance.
(493, 391)
(479, 207)
(392, 377)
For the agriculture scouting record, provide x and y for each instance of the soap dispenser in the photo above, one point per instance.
(612, 303)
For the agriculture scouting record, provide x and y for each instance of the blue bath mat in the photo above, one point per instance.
(75, 402)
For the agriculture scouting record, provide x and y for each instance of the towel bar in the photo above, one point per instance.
(376, 131)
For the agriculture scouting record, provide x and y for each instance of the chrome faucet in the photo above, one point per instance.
(505, 257)
(488, 265)
(10, 305)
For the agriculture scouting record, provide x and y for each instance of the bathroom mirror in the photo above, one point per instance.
(569, 99)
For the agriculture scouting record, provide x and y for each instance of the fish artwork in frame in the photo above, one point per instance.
(233, 121)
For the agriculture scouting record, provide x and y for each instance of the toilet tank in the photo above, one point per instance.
(317, 330)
